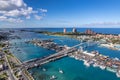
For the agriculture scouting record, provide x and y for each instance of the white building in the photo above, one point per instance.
(1, 67)
(64, 30)
(90, 54)
(74, 30)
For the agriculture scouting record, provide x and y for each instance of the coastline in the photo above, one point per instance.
(25, 71)
(110, 46)
(93, 62)
(57, 35)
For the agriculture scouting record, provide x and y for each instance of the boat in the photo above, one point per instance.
(44, 69)
(86, 63)
(72, 56)
(116, 58)
(118, 73)
(35, 65)
(53, 77)
(95, 65)
(110, 69)
(60, 71)
(102, 67)
(76, 58)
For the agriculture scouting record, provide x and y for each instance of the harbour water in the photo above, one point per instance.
(73, 69)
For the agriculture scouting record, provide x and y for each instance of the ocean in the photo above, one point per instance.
(73, 69)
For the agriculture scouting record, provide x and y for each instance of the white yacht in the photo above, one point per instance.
(44, 69)
(53, 77)
(86, 63)
(60, 71)
(102, 67)
(95, 65)
(118, 73)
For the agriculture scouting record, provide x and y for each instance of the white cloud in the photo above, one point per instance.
(43, 10)
(12, 4)
(38, 17)
(103, 23)
(16, 10)
(4, 18)
(28, 17)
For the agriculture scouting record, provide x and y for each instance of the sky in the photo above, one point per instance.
(59, 13)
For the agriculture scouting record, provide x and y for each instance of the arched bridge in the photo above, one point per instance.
(39, 61)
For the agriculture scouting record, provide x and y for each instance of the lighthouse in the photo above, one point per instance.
(64, 30)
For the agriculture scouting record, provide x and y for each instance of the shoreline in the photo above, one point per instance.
(51, 35)
(111, 46)
(25, 72)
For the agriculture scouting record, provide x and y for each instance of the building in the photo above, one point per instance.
(88, 31)
(1, 55)
(119, 35)
(74, 30)
(1, 67)
(64, 30)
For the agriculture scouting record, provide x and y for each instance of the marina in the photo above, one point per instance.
(98, 60)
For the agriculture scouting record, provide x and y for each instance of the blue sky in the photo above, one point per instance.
(60, 13)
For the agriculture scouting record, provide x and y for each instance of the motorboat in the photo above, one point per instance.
(60, 71)
(53, 77)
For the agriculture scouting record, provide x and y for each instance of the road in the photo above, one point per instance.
(10, 72)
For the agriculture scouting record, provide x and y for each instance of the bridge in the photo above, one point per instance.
(40, 61)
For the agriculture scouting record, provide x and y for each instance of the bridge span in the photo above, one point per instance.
(40, 61)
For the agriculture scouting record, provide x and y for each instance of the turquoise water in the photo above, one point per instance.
(73, 69)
